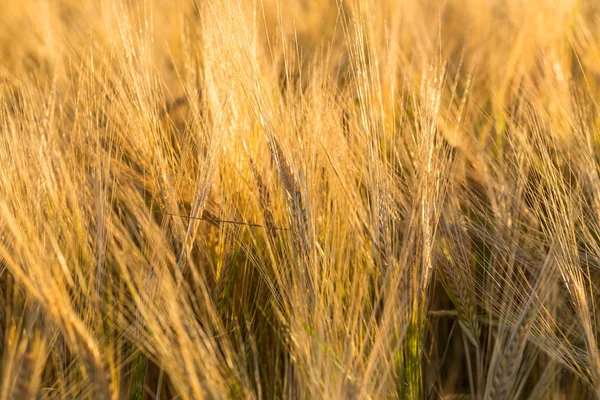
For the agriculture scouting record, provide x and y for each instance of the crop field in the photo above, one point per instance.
(299, 199)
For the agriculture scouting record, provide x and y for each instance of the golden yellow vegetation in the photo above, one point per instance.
(311, 199)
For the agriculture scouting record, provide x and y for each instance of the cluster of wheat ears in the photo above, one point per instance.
(304, 199)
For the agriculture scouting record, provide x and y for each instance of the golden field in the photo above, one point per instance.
(299, 199)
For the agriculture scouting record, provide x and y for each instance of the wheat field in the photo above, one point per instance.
(299, 199)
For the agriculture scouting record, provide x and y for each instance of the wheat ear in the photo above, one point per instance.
(508, 361)
(29, 374)
(294, 196)
(89, 353)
